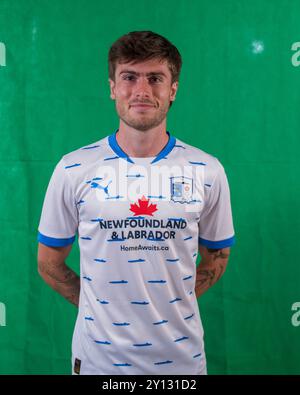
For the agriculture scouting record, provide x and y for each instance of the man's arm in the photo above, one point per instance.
(211, 268)
(54, 271)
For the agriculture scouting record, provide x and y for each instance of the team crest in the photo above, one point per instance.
(181, 189)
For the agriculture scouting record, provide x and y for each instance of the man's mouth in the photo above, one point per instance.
(142, 107)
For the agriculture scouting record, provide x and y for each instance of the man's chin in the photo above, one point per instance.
(141, 126)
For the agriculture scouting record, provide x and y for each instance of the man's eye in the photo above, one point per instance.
(156, 79)
(128, 77)
(132, 77)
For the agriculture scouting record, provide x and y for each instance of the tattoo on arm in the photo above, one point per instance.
(217, 253)
(63, 280)
(211, 270)
(207, 276)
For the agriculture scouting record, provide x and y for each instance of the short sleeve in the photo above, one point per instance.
(216, 224)
(59, 219)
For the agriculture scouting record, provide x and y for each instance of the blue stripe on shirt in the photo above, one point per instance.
(53, 241)
(218, 244)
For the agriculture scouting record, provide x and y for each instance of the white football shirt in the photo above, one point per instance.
(139, 222)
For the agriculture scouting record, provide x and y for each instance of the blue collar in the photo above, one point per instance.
(112, 140)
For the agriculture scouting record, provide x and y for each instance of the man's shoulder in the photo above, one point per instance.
(86, 154)
(197, 156)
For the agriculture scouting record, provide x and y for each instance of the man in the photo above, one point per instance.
(143, 204)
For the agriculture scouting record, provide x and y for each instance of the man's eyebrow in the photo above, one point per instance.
(135, 73)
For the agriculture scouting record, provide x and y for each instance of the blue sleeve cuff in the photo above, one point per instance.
(54, 242)
(217, 244)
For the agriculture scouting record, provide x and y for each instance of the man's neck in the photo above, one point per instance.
(142, 144)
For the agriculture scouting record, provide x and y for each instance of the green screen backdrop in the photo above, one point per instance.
(238, 99)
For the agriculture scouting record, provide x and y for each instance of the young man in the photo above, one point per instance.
(142, 204)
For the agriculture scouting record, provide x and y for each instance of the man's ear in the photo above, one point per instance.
(112, 86)
(174, 88)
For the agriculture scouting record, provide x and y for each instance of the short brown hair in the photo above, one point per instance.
(139, 46)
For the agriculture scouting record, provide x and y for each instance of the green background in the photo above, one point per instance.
(238, 103)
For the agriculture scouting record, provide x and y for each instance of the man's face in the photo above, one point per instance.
(143, 92)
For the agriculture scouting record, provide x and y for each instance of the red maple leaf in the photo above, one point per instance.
(143, 207)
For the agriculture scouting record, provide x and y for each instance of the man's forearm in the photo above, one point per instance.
(63, 280)
(210, 269)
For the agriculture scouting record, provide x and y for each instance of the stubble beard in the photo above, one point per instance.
(142, 122)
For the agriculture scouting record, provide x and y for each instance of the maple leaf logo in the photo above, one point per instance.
(143, 207)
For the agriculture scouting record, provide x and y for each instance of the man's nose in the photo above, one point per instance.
(143, 88)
